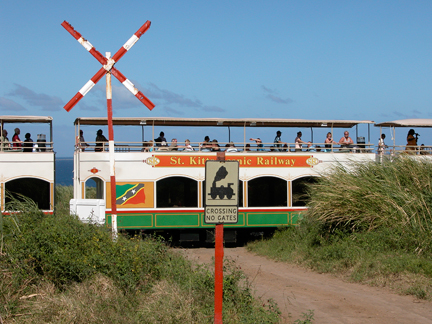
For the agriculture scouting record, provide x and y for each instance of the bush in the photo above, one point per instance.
(54, 261)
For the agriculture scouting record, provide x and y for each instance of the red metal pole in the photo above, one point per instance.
(219, 254)
(111, 154)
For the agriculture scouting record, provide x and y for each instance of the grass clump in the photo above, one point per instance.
(370, 222)
(55, 269)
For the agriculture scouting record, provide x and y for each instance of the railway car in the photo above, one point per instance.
(162, 188)
(404, 126)
(27, 169)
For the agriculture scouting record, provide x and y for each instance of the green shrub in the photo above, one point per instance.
(58, 260)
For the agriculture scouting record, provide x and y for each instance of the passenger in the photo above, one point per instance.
(160, 139)
(278, 141)
(328, 142)
(285, 148)
(82, 142)
(231, 147)
(173, 145)
(412, 138)
(5, 141)
(100, 138)
(423, 150)
(381, 144)
(318, 148)
(260, 146)
(206, 146)
(298, 142)
(147, 146)
(247, 147)
(215, 146)
(311, 147)
(28, 143)
(188, 147)
(346, 141)
(16, 141)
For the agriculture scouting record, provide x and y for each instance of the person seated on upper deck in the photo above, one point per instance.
(100, 138)
(328, 142)
(160, 139)
(147, 146)
(247, 148)
(231, 147)
(173, 145)
(298, 142)
(188, 147)
(5, 141)
(260, 146)
(346, 140)
(28, 143)
(206, 146)
(16, 141)
(412, 138)
(423, 150)
(311, 147)
(278, 140)
(215, 146)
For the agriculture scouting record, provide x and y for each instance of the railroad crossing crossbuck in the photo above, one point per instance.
(108, 69)
(108, 66)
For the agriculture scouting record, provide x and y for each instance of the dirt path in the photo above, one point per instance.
(297, 290)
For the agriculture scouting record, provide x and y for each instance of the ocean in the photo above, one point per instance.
(64, 171)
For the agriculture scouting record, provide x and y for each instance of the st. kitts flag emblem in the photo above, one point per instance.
(130, 194)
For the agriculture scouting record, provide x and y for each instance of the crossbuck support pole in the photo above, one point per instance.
(111, 149)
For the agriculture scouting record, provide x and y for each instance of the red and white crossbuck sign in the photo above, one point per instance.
(108, 69)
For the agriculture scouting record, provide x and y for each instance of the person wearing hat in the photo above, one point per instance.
(278, 140)
(298, 142)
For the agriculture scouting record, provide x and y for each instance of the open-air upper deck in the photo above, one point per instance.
(27, 168)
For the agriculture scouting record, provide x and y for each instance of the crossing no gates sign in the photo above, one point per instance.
(221, 192)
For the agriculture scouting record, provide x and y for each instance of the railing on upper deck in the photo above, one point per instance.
(394, 150)
(27, 147)
(226, 147)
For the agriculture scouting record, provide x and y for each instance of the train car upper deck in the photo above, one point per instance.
(26, 164)
(414, 145)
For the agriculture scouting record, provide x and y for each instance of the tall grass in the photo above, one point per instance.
(55, 269)
(366, 196)
(370, 222)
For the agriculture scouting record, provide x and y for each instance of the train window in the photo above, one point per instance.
(94, 188)
(36, 189)
(176, 192)
(267, 192)
(240, 193)
(300, 196)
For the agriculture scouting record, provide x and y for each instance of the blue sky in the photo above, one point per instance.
(270, 59)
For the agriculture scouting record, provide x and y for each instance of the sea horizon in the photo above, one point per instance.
(64, 171)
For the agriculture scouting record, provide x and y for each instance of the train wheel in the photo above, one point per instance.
(221, 192)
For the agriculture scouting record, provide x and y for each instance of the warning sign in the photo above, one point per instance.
(221, 199)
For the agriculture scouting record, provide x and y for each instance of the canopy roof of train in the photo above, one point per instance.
(239, 122)
(416, 122)
(25, 119)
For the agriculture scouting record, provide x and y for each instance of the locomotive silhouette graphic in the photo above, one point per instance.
(221, 191)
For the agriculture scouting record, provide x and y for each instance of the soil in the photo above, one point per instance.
(332, 300)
